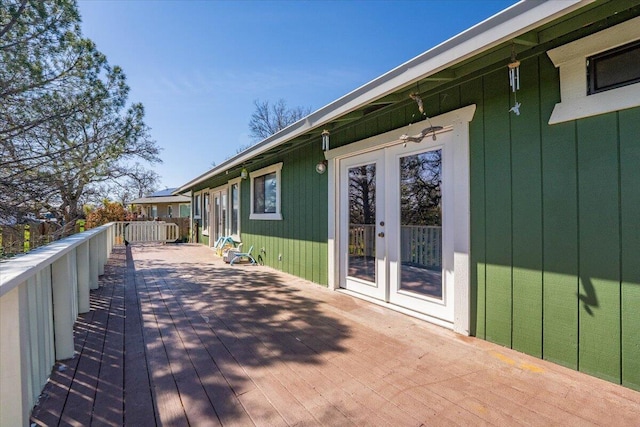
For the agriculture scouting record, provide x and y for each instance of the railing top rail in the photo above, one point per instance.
(16, 270)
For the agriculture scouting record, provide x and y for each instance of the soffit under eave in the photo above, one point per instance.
(391, 91)
(529, 43)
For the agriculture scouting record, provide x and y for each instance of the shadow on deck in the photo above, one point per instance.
(177, 337)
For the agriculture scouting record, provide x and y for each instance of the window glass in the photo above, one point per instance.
(205, 210)
(265, 193)
(614, 68)
(184, 210)
(196, 206)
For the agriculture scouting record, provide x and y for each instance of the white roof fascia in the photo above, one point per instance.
(161, 199)
(505, 25)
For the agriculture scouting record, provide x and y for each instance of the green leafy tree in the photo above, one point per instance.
(43, 64)
(108, 212)
(99, 144)
(66, 131)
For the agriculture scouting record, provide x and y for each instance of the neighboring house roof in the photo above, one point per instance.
(164, 199)
(163, 193)
(489, 34)
(162, 196)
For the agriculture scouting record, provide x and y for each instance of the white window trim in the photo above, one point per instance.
(458, 120)
(230, 184)
(571, 59)
(264, 171)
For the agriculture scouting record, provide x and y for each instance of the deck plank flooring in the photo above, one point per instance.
(175, 337)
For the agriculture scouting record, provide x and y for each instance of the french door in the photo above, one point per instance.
(395, 236)
(363, 260)
(219, 211)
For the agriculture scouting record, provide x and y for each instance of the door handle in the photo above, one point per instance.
(381, 234)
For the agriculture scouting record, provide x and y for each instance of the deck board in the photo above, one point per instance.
(176, 337)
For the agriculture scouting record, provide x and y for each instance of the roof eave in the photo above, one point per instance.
(505, 25)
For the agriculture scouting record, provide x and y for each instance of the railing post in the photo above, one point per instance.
(42, 340)
(94, 260)
(100, 241)
(13, 361)
(64, 305)
(84, 277)
(110, 240)
(27, 238)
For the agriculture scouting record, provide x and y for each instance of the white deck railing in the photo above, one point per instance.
(420, 244)
(146, 231)
(41, 294)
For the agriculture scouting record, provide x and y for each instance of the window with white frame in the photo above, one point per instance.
(265, 193)
(599, 73)
(614, 68)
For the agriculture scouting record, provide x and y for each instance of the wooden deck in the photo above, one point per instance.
(176, 337)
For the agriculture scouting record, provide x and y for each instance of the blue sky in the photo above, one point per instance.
(198, 66)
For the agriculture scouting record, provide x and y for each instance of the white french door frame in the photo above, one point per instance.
(457, 122)
(216, 221)
(377, 289)
(438, 308)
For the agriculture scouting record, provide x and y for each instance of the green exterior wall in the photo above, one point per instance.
(554, 227)
(298, 243)
(554, 221)
(555, 212)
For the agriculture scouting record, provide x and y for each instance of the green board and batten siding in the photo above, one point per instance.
(555, 214)
(559, 229)
(629, 131)
(555, 219)
(298, 243)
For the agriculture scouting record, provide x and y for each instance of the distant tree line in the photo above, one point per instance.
(68, 135)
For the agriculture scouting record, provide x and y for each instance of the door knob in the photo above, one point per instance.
(381, 234)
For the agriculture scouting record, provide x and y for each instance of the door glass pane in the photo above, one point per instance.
(235, 209)
(217, 223)
(205, 211)
(421, 223)
(223, 212)
(362, 222)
